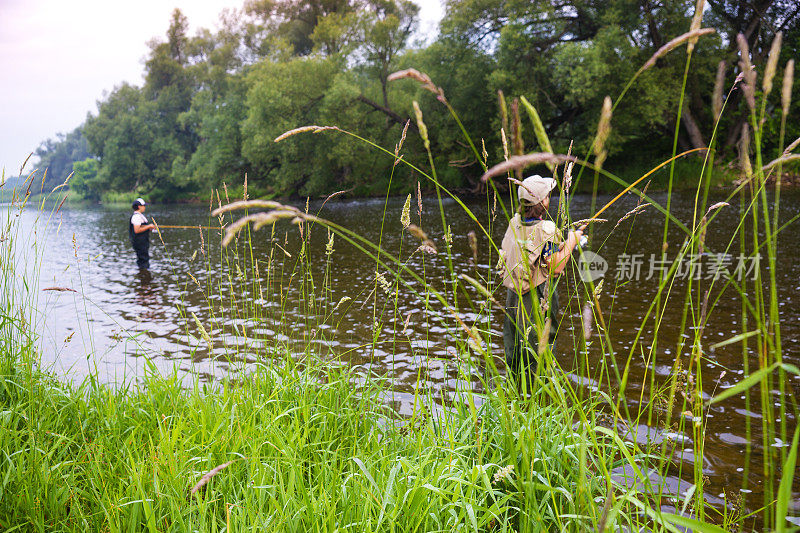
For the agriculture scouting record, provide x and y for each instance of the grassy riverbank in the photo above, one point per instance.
(305, 446)
(310, 452)
(312, 442)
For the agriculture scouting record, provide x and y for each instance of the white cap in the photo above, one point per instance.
(535, 189)
(139, 201)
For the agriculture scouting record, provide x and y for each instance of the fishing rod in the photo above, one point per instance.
(596, 216)
(167, 226)
(632, 185)
(160, 226)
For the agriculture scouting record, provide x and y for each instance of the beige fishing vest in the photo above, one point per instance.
(520, 262)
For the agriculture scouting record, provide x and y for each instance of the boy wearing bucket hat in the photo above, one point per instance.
(533, 254)
(139, 231)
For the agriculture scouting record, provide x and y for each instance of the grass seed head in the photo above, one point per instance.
(422, 78)
(697, 21)
(329, 246)
(644, 192)
(598, 289)
(523, 161)
(259, 220)
(544, 334)
(419, 201)
(586, 320)
(342, 301)
(792, 146)
(603, 130)
(744, 152)
(772, 63)
(472, 238)
(517, 144)
(428, 247)
(504, 474)
(501, 102)
(304, 129)
(385, 286)
(405, 217)
(249, 204)
(786, 158)
(60, 186)
(633, 212)
(399, 146)
(475, 342)
(717, 206)
(62, 200)
(423, 129)
(206, 478)
(481, 289)
(674, 43)
(567, 183)
(748, 72)
(203, 332)
(219, 206)
(538, 127)
(786, 92)
(417, 232)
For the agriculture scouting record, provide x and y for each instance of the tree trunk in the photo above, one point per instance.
(388, 112)
(692, 129)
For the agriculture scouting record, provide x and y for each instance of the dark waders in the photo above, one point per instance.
(141, 245)
(521, 354)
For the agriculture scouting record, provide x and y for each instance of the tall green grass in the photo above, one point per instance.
(311, 452)
(313, 447)
(306, 441)
(681, 403)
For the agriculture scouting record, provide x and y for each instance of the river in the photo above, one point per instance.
(119, 321)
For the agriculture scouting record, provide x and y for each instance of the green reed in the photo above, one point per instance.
(308, 439)
(686, 389)
(309, 446)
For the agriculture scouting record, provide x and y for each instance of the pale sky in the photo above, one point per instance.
(57, 58)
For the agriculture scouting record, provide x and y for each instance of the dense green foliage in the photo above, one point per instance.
(212, 103)
(310, 454)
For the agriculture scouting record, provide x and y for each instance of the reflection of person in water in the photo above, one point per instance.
(139, 230)
(146, 296)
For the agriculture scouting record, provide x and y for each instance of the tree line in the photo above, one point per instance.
(212, 103)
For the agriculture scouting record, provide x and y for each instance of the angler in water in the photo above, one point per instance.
(533, 255)
(139, 230)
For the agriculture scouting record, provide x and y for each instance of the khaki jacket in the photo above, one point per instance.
(523, 245)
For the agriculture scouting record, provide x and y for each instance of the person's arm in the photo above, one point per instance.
(558, 260)
(141, 228)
